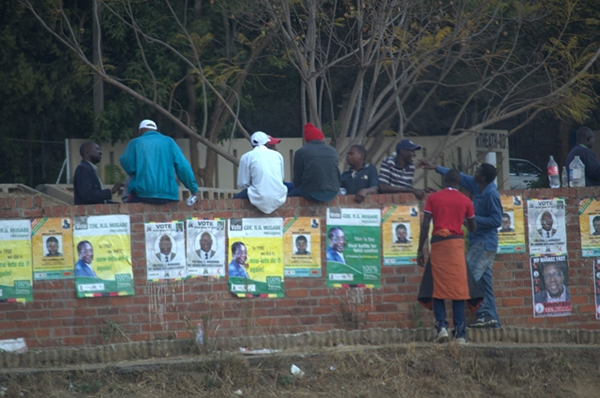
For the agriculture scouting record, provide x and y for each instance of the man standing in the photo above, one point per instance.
(205, 251)
(396, 173)
(583, 149)
(337, 244)
(237, 266)
(301, 244)
(484, 241)
(87, 187)
(361, 178)
(316, 173)
(52, 246)
(260, 175)
(83, 267)
(165, 246)
(152, 160)
(446, 275)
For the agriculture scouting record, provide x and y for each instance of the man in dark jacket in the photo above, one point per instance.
(87, 187)
(583, 149)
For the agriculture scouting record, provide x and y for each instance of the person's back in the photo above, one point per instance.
(583, 149)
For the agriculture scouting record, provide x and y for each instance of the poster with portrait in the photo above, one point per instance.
(165, 251)
(16, 284)
(255, 268)
(206, 250)
(52, 248)
(547, 231)
(589, 227)
(550, 286)
(102, 250)
(400, 229)
(353, 247)
(302, 247)
(511, 234)
(596, 271)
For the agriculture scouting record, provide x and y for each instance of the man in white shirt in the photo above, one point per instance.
(260, 176)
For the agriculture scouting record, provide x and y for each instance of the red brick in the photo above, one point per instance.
(512, 302)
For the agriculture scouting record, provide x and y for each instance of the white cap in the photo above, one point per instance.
(147, 124)
(259, 138)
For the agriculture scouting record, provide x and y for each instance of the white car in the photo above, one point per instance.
(523, 173)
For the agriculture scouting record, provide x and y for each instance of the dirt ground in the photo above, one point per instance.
(408, 370)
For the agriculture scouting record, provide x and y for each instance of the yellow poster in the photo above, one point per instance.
(52, 244)
(589, 227)
(16, 283)
(400, 231)
(302, 246)
(511, 234)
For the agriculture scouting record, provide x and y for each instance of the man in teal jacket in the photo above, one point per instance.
(152, 160)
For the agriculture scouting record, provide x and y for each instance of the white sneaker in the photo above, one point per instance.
(442, 336)
(461, 341)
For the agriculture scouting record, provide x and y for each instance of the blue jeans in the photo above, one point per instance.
(243, 194)
(480, 262)
(458, 313)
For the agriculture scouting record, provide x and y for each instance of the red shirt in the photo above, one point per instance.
(448, 209)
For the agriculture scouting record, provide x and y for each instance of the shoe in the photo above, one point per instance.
(484, 322)
(442, 336)
(461, 341)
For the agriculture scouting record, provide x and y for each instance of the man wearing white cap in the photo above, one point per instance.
(261, 174)
(152, 160)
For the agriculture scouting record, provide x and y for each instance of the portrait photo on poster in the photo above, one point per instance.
(595, 224)
(546, 224)
(165, 248)
(401, 233)
(206, 246)
(53, 246)
(507, 222)
(301, 244)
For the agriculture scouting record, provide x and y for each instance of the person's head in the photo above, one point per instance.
(239, 252)
(85, 251)
(452, 178)
(301, 243)
(554, 278)
(165, 245)
(485, 173)
(337, 239)
(596, 222)
(546, 221)
(273, 142)
(52, 245)
(356, 156)
(146, 125)
(505, 221)
(205, 242)
(90, 151)
(259, 139)
(311, 133)
(406, 151)
(401, 232)
(585, 136)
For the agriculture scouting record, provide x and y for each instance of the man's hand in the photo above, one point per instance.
(116, 187)
(360, 196)
(421, 259)
(426, 164)
(429, 190)
(418, 193)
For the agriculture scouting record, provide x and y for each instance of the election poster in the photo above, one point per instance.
(353, 247)
(547, 232)
(511, 234)
(596, 270)
(102, 245)
(165, 251)
(400, 234)
(206, 248)
(550, 285)
(256, 263)
(16, 284)
(589, 227)
(302, 247)
(52, 247)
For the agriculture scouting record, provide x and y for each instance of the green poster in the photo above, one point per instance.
(16, 282)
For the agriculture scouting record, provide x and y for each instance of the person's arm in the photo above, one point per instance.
(373, 188)
(127, 159)
(592, 165)
(298, 169)
(423, 238)
(243, 180)
(493, 217)
(471, 224)
(386, 188)
(183, 169)
(83, 182)
(466, 181)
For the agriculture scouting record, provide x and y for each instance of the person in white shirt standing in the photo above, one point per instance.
(261, 175)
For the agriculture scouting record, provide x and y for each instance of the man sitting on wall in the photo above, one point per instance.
(361, 178)
(87, 187)
(397, 172)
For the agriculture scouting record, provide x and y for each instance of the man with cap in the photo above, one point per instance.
(396, 173)
(152, 160)
(316, 173)
(260, 175)
(87, 187)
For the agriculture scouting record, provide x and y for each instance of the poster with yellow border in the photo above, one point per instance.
(165, 251)
(256, 249)
(206, 248)
(589, 227)
(16, 283)
(400, 229)
(103, 248)
(52, 247)
(511, 234)
(302, 247)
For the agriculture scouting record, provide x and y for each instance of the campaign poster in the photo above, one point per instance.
(400, 231)
(596, 270)
(589, 227)
(256, 257)
(302, 247)
(550, 286)
(511, 234)
(547, 232)
(102, 247)
(206, 248)
(16, 284)
(353, 247)
(165, 251)
(52, 247)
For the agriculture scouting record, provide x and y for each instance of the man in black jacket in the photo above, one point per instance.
(583, 149)
(87, 187)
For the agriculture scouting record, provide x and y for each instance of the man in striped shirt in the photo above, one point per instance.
(396, 173)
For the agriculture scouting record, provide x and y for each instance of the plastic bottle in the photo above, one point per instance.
(577, 173)
(564, 177)
(342, 191)
(191, 200)
(553, 176)
(200, 335)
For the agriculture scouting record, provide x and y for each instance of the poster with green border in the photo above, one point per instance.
(589, 227)
(52, 248)
(400, 229)
(16, 283)
(511, 234)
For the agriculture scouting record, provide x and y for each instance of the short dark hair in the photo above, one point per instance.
(85, 146)
(360, 149)
(81, 244)
(506, 215)
(301, 237)
(583, 133)
(235, 246)
(401, 226)
(562, 267)
(452, 177)
(597, 218)
(52, 239)
(332, 230)
(488, 172)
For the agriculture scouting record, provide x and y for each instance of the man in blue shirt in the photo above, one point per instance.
(361, 178)
(484, 241)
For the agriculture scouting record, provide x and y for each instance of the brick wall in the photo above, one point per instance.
(170, 310)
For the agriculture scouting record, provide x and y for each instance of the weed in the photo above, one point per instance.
(92, 387)
(415, 316)
(112, 331)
